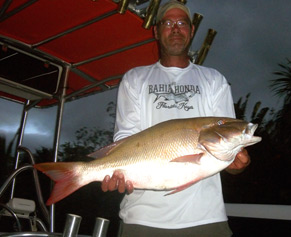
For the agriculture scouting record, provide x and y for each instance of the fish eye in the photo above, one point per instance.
(220, 122)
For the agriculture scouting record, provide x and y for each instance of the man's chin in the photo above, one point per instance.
(176, 50)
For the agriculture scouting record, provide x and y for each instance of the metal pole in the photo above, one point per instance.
(151, 14)
(20, 139)
(123, 5)
(205, 47)
(16, 10)
(135, 45)
(57, 137)
(72, 225)
(197, 18)
(99, 18)
(101, 227)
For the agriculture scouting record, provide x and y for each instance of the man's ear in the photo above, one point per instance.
(192, 31)
(156, 32)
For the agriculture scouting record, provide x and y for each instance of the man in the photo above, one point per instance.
(169, 89)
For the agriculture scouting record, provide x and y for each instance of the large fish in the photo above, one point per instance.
(168, 156)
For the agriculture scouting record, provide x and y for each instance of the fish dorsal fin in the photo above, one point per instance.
(104, 151)
(193, 158)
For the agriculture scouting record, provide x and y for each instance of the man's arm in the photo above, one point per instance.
(127, 123)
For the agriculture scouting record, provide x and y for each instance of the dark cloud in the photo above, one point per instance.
(253, 37)
(40, 126)
(87, 112)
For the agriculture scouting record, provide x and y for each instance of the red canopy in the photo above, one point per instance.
(90, 39)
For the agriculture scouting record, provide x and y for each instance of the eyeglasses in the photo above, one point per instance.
(179, 23)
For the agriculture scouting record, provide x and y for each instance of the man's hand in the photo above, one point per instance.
(241, 161)
(116, 182)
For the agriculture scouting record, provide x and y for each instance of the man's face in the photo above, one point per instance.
(174, 39)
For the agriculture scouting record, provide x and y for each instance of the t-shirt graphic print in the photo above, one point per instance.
(173, 96)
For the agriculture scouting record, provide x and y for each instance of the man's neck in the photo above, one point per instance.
(175, 61)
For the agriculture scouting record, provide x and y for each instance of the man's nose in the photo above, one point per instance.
(175, 27)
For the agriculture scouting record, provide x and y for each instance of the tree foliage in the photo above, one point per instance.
(282, 88)
(268, 179)
(87, 141)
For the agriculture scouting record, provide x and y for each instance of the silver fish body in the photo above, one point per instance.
(168, 156)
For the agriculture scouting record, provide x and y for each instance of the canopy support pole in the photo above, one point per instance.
(19, 140)
(57, 135)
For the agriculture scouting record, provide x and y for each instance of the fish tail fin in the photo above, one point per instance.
(65, 176)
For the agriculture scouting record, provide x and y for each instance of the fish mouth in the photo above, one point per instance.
(250, 129)
(248, 134)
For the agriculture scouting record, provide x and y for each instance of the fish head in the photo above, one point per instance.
(225, 137)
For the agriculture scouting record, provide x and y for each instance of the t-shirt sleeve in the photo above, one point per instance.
(222, 98)
(128, 108)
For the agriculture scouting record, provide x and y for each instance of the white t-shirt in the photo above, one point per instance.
(152, 94)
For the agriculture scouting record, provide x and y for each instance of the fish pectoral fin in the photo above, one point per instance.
(104, 151)
(187, 185)
(194, 158)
